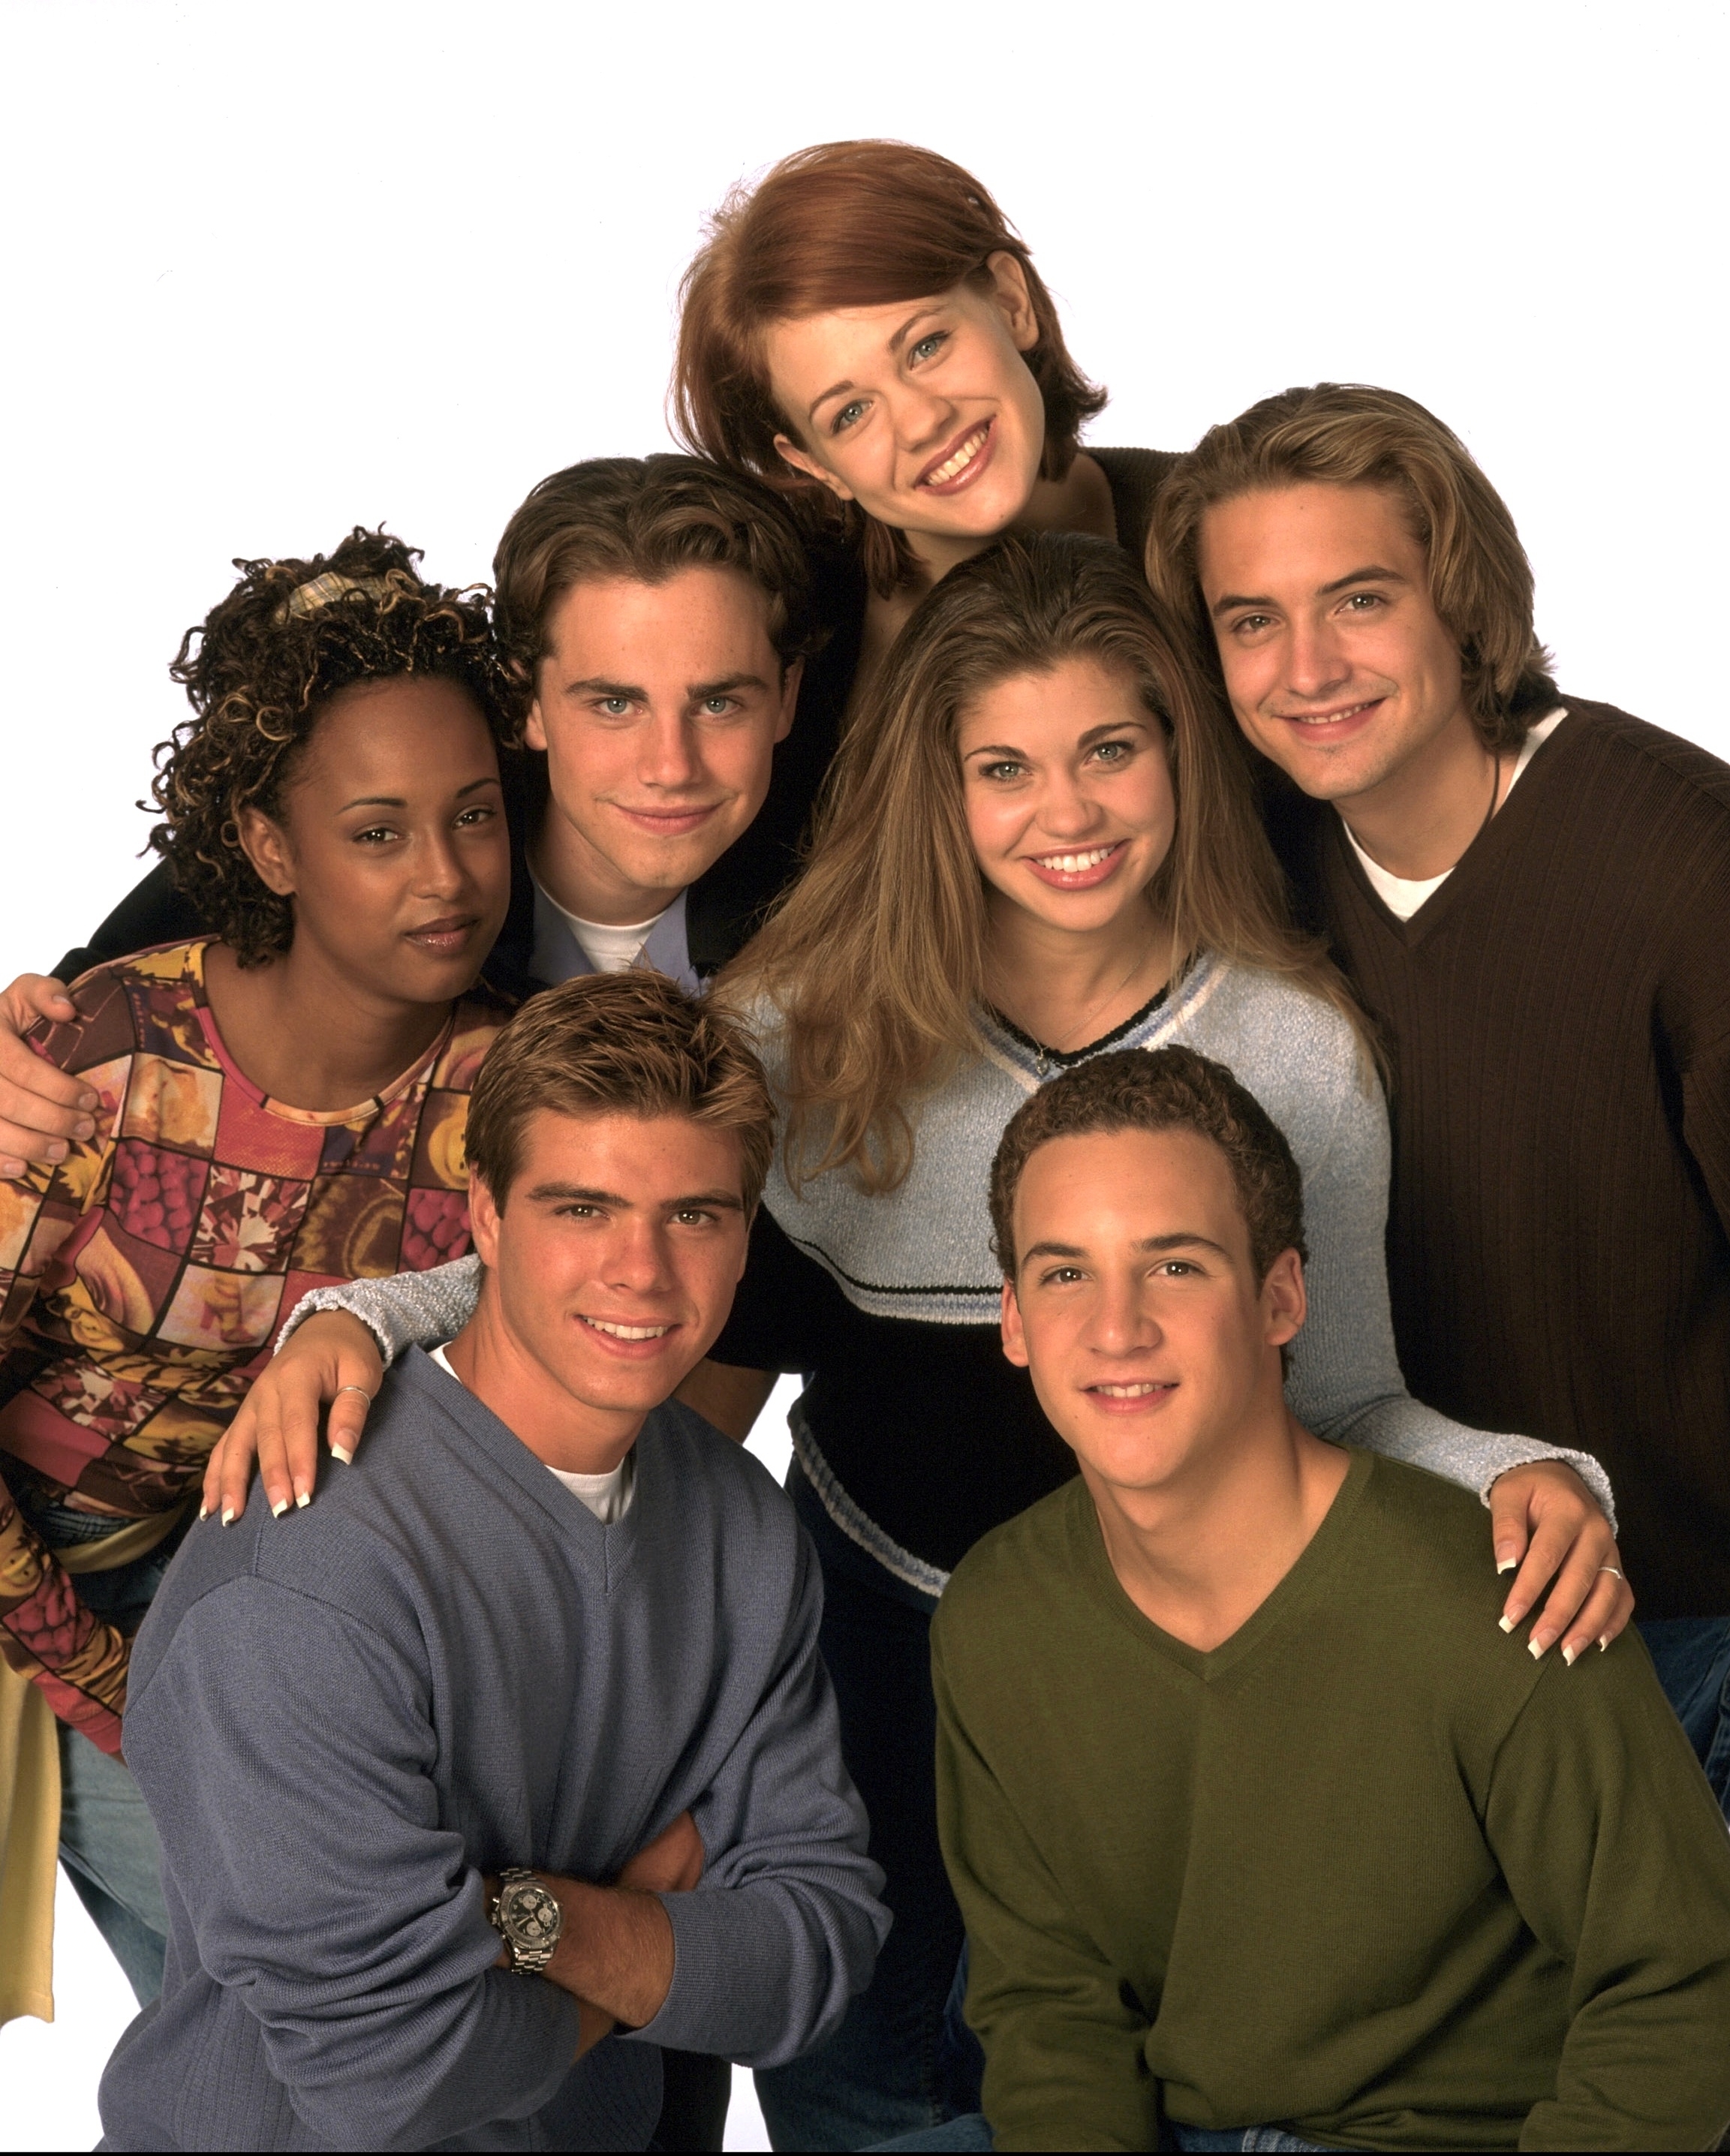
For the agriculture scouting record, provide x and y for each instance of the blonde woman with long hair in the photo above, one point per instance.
(1039, 842)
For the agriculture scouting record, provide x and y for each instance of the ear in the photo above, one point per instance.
(1008, 279)
(265, 844)
(534, 727)
(1015, 1340)
(801, 460)
(483, 1220)
(1284, 1302)
(790, 682)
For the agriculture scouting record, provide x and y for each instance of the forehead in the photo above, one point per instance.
(1105, 1187)
(1054, 706)
(649, 1159)
(1306, 535)
(708, 616)
(409, 727)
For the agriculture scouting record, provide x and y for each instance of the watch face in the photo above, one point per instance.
(529, 1914)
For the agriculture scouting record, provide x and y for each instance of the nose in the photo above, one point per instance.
(922, 419)
(671, 756)
(637, 1260)
(444, 874)
(1066, 811)
(1122, 1322)
(1316, 662)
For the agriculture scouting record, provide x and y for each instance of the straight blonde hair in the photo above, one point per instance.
(876, 959)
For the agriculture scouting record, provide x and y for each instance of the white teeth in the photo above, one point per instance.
(629, 1331)
(959, 462)
(1073, 863)
(1126, 1392)
(1331, 718)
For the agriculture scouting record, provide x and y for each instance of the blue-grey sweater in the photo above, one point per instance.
(444, 1666)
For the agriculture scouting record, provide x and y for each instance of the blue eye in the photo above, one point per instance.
(926, 345)
(846, 416)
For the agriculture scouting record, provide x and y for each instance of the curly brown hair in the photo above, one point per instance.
(267, 661)
(1173, 1089)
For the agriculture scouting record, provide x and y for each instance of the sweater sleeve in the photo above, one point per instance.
(1065, 2062)
(786, 1925)
(1614, 1851)
(1345, 1383)
(403, 1310)
(325, 1894)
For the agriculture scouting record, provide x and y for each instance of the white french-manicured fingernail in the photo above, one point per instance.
(278, 1508)
(228, 1516)
(1604, 1646)
(1507, 1564)
(1570, 1655)
(203, 1512)
(1507, 1623)
(342, 1453)
(302, 1498)
(1535, 1651)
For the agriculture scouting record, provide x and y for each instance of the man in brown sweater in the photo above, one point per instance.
(1531, 896)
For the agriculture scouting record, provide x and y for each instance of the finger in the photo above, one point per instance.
(1601, 1617)
(234, 1463)
(39, 995)
(276, 1418)
(1552, 1540)
(347, 1423)
(1510, 1527)
(210, 1497)
(1575, 1580)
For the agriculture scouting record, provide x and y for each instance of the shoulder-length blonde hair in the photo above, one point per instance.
(1348, 434)
(876, 959)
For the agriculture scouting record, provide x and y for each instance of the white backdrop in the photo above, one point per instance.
(269, 271)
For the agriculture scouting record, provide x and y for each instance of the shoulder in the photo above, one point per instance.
(702, 1466)
(1297, 1053)
(1427, 1535)
(1631, 746)
(147, 999)
(1002, 1587)
(475, 1024)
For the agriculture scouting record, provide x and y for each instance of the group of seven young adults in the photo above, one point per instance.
(934, 1025)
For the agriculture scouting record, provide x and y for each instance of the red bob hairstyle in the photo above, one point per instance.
(845, 225)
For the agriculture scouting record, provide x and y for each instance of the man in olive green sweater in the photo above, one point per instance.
(1257, 1820)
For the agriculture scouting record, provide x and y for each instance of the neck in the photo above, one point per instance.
(309, 1034)
(1079, 501)
(502, 1370)
(1066, 987)
(1420, 819)
(582, 880)
(1200, 1555)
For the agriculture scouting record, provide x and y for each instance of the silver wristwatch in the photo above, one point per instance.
(527, 1918)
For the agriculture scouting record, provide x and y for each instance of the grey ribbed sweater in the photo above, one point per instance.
(444, 1666)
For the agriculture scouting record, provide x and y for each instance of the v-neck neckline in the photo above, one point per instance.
(1486, 848)
(1306, 1578)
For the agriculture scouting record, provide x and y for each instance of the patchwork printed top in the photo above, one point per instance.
(145, 1276)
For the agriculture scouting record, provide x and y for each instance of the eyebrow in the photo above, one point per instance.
(400, 801)
(1182, 1239)
(895, 342)
(1093, 734)
(634, 692)
(582, 1194)
(1372, 574)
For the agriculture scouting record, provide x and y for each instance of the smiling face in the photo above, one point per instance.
(1135, 1306)
(659, 706)
(611, 1268)
(391, 840)
(1337, 665)
(1067, 792)
(922, 411)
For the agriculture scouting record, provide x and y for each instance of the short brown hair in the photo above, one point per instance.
(619, 1044)
(1348, 434)
(1169, 1088)
(647, 518)
(846, 225)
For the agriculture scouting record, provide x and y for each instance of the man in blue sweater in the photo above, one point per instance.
(515, 1749)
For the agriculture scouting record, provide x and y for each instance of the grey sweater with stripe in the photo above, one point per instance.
(921, 1256)
(444, 1666)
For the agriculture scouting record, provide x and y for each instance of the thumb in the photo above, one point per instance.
(1510, 1527)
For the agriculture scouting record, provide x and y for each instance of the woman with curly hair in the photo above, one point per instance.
(281, 1105)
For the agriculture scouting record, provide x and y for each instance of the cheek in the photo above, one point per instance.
(994, 823)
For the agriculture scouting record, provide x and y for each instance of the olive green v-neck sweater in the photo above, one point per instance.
(1366, 1870)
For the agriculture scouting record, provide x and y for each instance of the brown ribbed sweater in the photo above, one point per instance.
(1558, 1020)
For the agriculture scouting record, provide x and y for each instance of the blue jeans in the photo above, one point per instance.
(108, 1843)
(972, 2133)
(1692, 1658)
(902, 2059)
